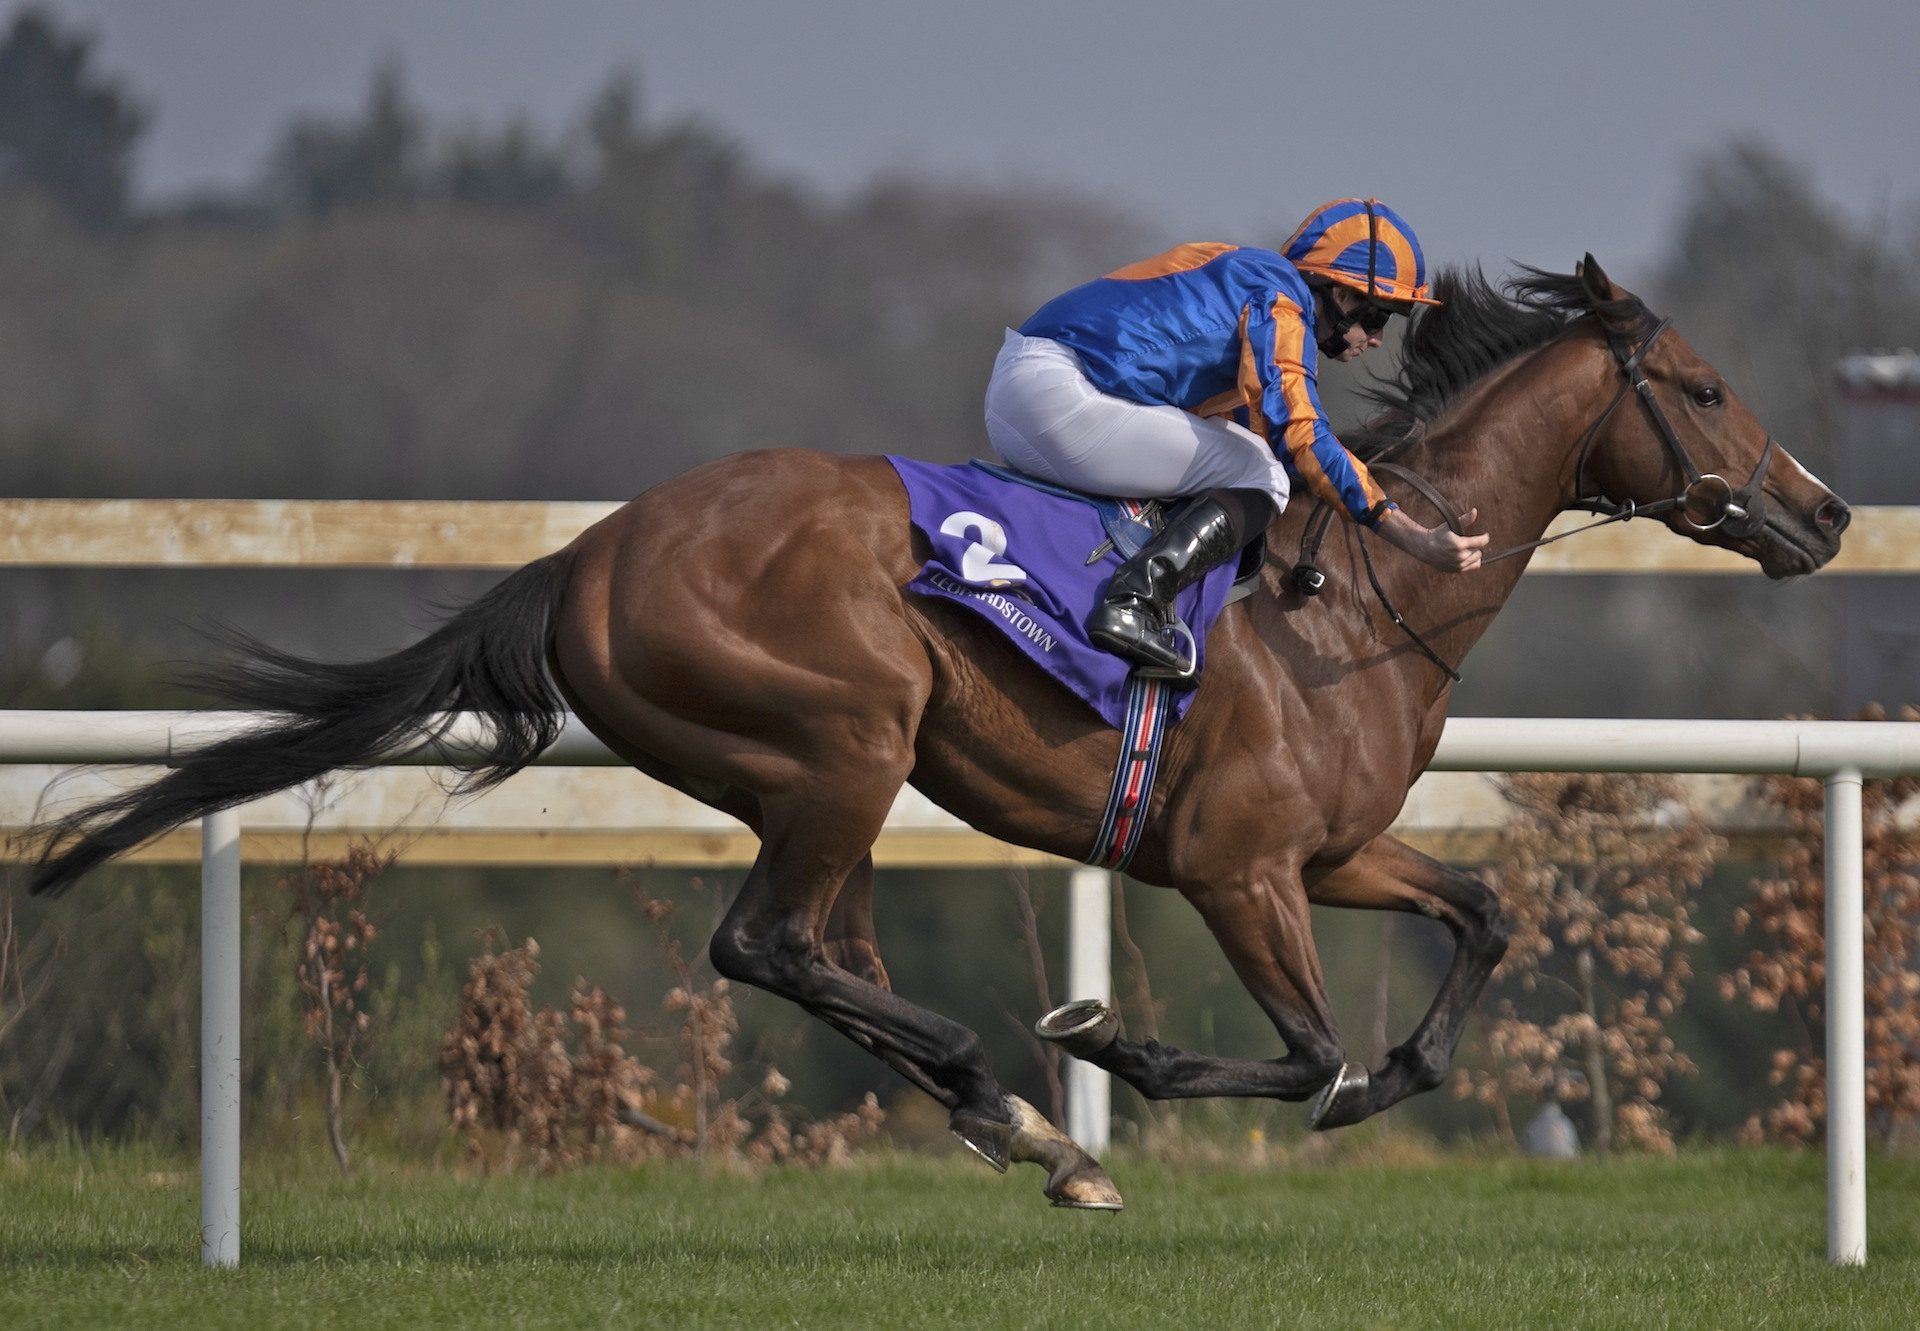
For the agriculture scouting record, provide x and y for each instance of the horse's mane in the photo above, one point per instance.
(1473, 332)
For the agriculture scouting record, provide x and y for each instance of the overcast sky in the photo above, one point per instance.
(1523, 129)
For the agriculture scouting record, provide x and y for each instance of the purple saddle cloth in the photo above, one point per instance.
(1017, 556)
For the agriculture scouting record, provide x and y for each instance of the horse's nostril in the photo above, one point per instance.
(1833, 515)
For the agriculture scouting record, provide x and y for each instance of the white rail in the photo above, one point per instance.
(369, 533)
(1841, 753)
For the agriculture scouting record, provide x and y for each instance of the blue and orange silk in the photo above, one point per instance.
(1216, 329)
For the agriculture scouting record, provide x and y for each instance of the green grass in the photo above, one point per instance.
(1718, 1239)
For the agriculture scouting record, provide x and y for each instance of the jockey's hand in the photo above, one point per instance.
(1437, 546)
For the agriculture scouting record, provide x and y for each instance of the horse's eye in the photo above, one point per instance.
(1708, 395)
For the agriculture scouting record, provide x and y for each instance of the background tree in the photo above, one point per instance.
(1597, 873)
(505, 168)
(1775, 283)
(1787, 970)
(64, 130)
(322, 164)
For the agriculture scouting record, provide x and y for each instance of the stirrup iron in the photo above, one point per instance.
(1187, 674)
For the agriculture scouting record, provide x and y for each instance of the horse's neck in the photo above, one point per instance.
(1509, 448)
(1510, 445)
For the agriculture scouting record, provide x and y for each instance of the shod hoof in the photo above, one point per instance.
(987, 1138)
(1082, 1028)
(1086, 1189)
(1344, 1100)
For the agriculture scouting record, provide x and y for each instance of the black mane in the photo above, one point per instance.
(1476, 330)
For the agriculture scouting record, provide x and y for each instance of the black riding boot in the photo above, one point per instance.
(1135, 617)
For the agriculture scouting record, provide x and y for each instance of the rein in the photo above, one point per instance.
(1309, 579)
(1707, 500)
(1426, 649)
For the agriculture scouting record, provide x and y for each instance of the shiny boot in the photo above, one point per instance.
(1135, 619)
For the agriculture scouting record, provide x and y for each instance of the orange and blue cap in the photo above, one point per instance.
(1365, 245)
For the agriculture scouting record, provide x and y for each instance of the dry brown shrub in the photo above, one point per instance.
(1597, 877)
(749, 1124)
(552, 1083)
(331, 966)
(1787, 971)
(565, 1088)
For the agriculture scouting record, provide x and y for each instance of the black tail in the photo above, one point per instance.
(490, 658)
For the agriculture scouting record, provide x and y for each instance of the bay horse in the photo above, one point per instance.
(742, 633)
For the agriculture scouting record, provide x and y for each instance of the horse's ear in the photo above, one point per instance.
(1594, 280)
(1610, 302)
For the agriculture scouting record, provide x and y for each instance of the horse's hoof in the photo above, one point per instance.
(1343, 1102)
(1082, 1028)
(1074, 1178)
(1086, 1189)
(987, 1138)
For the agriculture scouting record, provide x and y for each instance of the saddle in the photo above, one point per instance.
(1032, 560)
(1130, 523)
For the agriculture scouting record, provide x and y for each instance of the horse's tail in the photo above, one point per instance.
(490, 658)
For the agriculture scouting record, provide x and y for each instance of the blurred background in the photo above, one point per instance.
(484, 250)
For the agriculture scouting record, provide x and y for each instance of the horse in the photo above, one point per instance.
(743, 634)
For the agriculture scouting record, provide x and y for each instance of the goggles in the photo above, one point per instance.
(1373, 318)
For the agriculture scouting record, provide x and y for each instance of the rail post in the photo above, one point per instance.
(1089, 975)
(1846, 1022)
(220, 1039)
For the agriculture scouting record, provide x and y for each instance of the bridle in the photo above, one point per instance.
(1706, 502)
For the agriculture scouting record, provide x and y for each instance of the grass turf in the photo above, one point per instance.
(1717, 1238)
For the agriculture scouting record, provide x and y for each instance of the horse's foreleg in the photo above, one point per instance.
(1266, 934)
(772, 938)
(1388, 874)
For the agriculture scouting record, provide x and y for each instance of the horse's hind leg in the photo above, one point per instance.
(851, 942)
(1388, 874)
(772, 938)
(1074, 1178)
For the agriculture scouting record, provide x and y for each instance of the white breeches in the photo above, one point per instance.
(1045, 418)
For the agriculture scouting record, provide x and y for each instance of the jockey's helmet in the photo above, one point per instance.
(1366, 246)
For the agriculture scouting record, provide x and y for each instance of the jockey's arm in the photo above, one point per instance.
(1282, 346)
(1280, 382)
(1437, 546)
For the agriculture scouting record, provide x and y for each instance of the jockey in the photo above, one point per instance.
(1194, 373)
